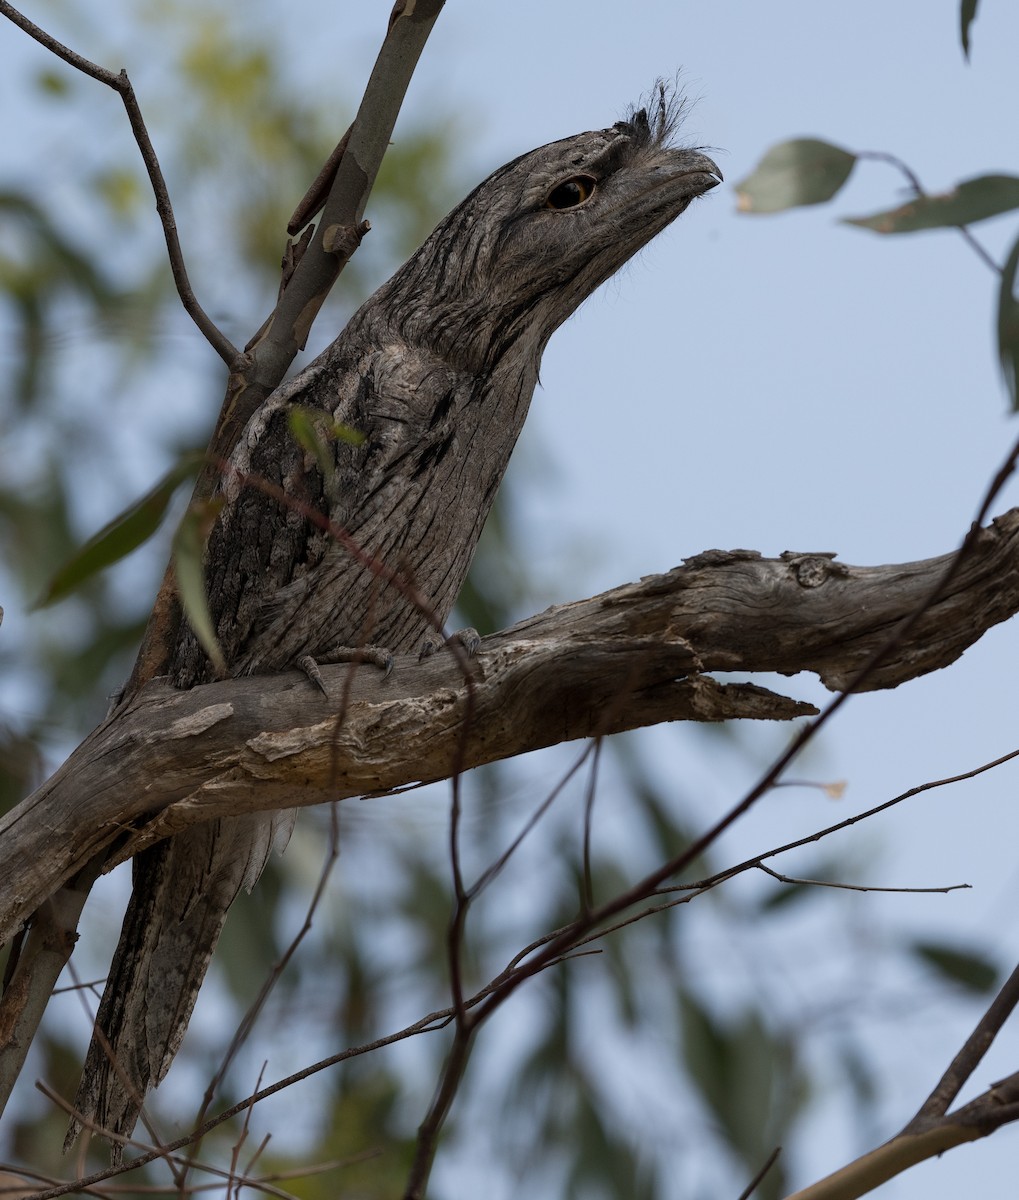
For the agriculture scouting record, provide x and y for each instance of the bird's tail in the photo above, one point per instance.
(183, 888)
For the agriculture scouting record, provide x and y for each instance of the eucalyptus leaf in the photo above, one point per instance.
(1008, 325)
(306, 427)
(116, 540)
(188, 552)
(795, 173)
(965, 967)
(314, 430)
(967, 13)
(973, 200)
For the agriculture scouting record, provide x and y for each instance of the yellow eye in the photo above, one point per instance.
(571, 193)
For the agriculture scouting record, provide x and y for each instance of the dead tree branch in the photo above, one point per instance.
(630, 657)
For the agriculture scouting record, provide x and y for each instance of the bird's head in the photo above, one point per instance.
(534, 240)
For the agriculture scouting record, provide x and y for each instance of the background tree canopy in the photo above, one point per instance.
(777, 382)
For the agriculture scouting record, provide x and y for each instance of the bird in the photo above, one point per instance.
(433, 375)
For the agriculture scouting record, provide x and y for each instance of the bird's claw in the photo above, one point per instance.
(377, 656)
(468, 639)
(309, 666)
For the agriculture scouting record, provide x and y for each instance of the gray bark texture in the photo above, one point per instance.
(371, 546)
(169, 760)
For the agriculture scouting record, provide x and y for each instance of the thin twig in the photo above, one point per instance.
(861, 887)
(587, 894)
(757, 860)
(431, 1126)
(242, 1137)
(177, 1165)
(972, 1051)
(490, 873)
(754, 1183)
(313, 201)
(122, 86)
(918, 1142)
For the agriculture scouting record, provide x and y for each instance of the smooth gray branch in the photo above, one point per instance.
(359, 157)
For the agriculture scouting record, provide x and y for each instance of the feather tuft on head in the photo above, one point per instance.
(654, 119)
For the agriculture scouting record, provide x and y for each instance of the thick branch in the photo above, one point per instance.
(627, 658)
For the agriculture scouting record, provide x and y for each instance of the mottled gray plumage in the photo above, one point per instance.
(436, 371)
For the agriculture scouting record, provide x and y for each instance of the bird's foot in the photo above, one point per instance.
(468, 639)
(377, 656)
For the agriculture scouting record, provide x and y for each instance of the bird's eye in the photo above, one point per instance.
(571, 193)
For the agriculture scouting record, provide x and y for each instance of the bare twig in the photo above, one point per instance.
(233, 1184)
(713, 880)
(431, 1126)
(968, 1058)
(934, 1129)
(314, 199)
(352, 180)
(587, 883)
(427, 1024)
(692, 889)
(122, 86)
(861, 887)
(488, 876)
(150, 1154)
(997, 1106)
(758, 1179)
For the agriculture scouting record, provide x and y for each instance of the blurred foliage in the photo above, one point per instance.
(798, 172)
(967, 15)
(960, 965)
(804, 171)
(636, 1072)
(968, 202)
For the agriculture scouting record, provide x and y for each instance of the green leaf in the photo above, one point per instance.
(314, 430)
(1008, 325)
(121, 189)
(967, 12)
(306, 427)
(974, 200)
(188, 552)
(965, 967)
(120, 537)
(54, 83)
(795, 173)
